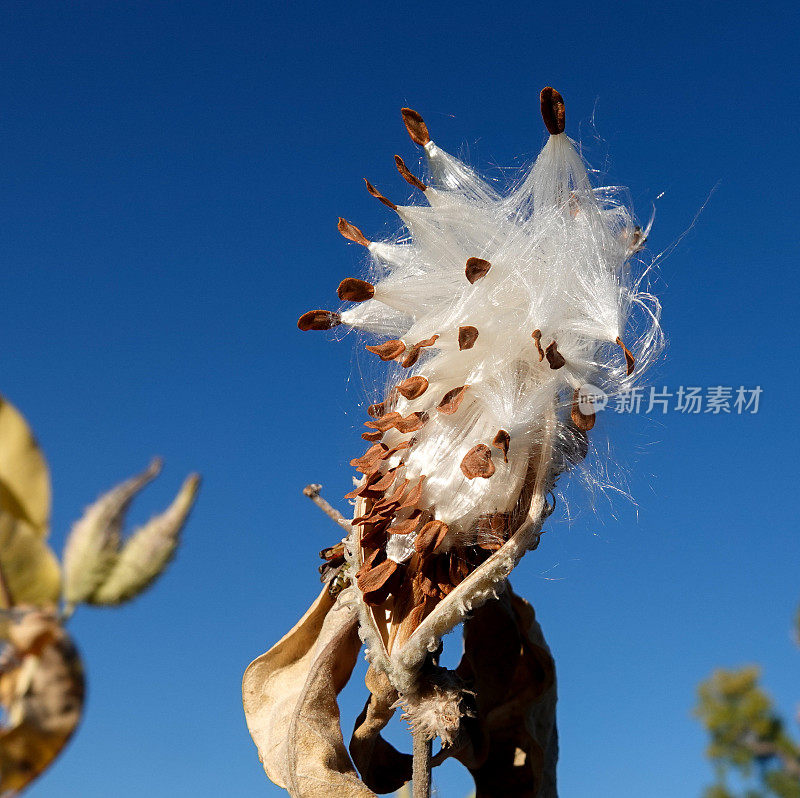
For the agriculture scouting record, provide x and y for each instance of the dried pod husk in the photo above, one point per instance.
(42, 695)
(93, 543)
(511, 746)
(148, 551)
(290, 702)
(398, 638)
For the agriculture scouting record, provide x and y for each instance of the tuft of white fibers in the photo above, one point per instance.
(497, 309)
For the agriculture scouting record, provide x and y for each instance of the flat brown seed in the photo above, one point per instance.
(416, 127)
(407, 526)
(369, 458)
(411, 423)
(476, 268)
(430, 537)
(351, 289)
(318, 320)
(372, 436)
(414, 495)
(388, 350)
(477, 462)
(378, 196)
(467, 336)
(376, 410)
(385, 482)
(352, 233)
(413, 354)
(451, 400)
(537, 339)
(375, 576)
(501, 442)
(406, 174)
(413, 387)
(583, 422)
(630, 360)
(385, 422)
(553, 111)
(554, 357)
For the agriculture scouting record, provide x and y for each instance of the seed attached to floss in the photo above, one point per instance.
(477, 462)
(413, 387)
(318, 320)
(554, 357)
(416, 127)
(413, 354)
(537, 339)
(501, 442)
(451, 400)
(553, 111)
(406, 174)
(583, 421)
(378, 196)
(388, 350)
(467, 336)
(630, 361)
(476, 269)
(351, 289)
(352, 233)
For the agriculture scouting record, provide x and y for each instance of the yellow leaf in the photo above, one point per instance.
(30, 568)
(24, 477)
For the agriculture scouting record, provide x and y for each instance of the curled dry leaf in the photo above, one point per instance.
(149, 550)
(42, 694)
(289, 696)
(93, 543)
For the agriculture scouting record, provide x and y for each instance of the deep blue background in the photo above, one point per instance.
(170, 178)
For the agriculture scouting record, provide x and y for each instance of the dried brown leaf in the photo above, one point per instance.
(289, 696)
(43, 698)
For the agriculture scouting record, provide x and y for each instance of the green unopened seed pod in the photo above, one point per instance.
(148, 551)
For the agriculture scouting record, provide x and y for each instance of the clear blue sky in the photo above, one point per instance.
(170, 178)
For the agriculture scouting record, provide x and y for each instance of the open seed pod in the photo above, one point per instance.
(495, 312)
(500, 700)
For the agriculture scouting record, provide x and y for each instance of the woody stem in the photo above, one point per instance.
(312, 491)
(421, 767)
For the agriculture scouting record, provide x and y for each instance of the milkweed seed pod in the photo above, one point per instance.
(497, 309)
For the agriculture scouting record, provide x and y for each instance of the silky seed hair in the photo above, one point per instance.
(494, 309)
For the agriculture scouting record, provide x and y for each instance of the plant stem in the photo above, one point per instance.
(421, 767)
(312, 491)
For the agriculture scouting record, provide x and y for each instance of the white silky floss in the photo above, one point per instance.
(558, 251)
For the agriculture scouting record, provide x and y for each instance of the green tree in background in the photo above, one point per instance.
(748, 736)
